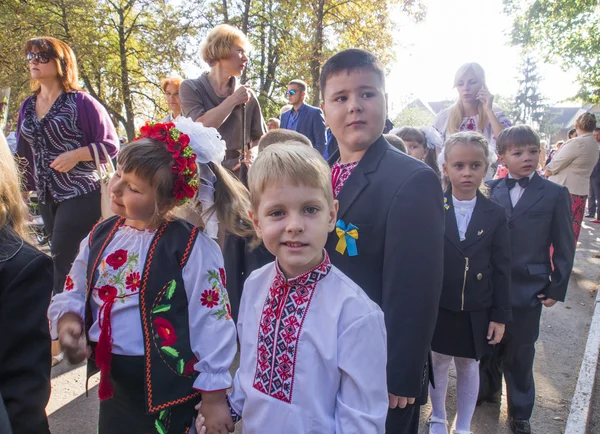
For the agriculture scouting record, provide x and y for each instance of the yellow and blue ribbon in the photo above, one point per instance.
(348, 236)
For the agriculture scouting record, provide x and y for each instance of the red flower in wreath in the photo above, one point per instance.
(165, 331)
(209, 298)
(183, 190)
(188, 369)
(159, 131)
(107, 293)
(223, 277)
(132, 282)
(117, 259)
(69, 285)
(174, 148)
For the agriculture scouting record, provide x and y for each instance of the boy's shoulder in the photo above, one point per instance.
(349, 294)
(395, 162)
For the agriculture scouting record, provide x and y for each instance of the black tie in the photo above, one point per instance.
(511, 182)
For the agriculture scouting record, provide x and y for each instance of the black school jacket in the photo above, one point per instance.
(477, 269)
(396, 202)
(541, 218)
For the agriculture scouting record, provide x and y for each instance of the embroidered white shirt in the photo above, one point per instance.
(517, 191)
(463, 210)
(313, 355)
(212, 331)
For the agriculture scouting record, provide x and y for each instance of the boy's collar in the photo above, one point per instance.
(528, 176)
(309, 277)
(370, 160)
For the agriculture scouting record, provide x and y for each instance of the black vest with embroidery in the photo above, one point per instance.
(169, 360)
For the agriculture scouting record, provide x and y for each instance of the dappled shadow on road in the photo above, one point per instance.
(63, 368)
(79, 416)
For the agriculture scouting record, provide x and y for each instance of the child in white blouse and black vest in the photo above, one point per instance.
(475, 304)
(147, 293)
(312, 343)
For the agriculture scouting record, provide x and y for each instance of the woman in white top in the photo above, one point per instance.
(573, 164)
(473, 111)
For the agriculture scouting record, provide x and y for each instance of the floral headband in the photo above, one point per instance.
(178, 144)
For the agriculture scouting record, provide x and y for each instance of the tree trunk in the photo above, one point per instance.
(225, 12)
(315, 61)
(245, 21)
(127, 102)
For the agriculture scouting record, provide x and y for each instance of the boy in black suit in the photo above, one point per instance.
(389, 236)
(539, 215)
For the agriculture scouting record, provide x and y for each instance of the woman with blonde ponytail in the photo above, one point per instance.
(473, 111)
(25, 290)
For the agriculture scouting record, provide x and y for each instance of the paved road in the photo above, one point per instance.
(559, 352)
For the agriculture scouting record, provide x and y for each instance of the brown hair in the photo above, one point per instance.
(150, 160)
(586, 122)
(62, 55)
(301, 84)
(468, 138)
(413, 134)
(293, 162)
(396, 142)
(517, 136)
(281, 136)
(572, 133)
(13, 212)
(175, 81)
(220, 41)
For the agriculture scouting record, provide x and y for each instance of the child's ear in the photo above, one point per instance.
(445, 169)
(324, 113)
(255, 223)
(501, 159)
(333, 215)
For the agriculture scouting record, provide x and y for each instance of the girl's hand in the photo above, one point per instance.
(495, 332)
(72, 338)
(216, 417)
(486, 98)
(65, 161)
(200, 428)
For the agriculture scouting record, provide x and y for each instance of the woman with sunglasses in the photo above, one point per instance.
(216, 97)
(57, 127)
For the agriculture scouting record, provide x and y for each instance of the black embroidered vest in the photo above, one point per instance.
(169, 360)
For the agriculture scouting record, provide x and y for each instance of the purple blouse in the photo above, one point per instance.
(68, 125)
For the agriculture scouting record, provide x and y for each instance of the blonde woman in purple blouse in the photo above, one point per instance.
(56, 129)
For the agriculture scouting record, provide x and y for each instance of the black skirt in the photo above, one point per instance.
(462, 334)
(125, 412)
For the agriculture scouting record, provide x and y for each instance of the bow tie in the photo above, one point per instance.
(511, 182)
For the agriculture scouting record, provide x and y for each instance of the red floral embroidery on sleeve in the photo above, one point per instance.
(132, 281)
(117, 259)
(209, 298)
(69, 285)
(223, 277)
(107, 292)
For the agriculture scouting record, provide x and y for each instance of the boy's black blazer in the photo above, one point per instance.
(541, 218)
(396, 202)
(477, 269)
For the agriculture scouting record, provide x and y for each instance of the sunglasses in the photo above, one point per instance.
(291, 92)
(38, 57)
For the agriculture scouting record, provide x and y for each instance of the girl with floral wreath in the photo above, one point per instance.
(145, 300)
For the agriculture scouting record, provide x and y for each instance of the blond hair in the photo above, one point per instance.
(64, 58)
(220, 41)
(466, 138)
(175, 81)
(291, 162)
(457, 112)
(282, 135)
(13, 212)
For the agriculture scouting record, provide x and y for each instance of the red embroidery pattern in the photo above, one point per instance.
(69, 285)
(340, 174)
(283, 315)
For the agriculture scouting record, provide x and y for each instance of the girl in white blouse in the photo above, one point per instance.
(147, 293)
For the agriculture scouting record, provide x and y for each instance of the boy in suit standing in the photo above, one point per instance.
(389, 235)
(539, 215)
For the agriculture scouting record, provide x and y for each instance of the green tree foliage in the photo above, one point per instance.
(529, 102)
(566, 32)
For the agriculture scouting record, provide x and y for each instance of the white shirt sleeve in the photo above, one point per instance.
(362, 400)
(237, 397)
(72, 299)
(212, 331)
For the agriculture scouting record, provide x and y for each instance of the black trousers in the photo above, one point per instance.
(594, 196)
(67, 223)
(514, 358)
(403, 420)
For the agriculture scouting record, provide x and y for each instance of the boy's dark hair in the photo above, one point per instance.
(518, 136)
(571, 133)
(396, 142)
(348, 61)
(282, 135)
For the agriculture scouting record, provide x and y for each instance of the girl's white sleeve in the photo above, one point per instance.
(237, 397)
(212, 331)
(362, 400)
(72, 299)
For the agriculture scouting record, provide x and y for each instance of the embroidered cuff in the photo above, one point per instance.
(234, 414)
(211, 381)
(54, 316)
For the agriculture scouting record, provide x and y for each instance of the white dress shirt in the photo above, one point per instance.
(517, 191)
(463, 210)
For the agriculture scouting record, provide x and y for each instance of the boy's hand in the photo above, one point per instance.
(216, 417)
(495, 332)
(200, 428)
(72, 338)
(548, 302)
(399, 401)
